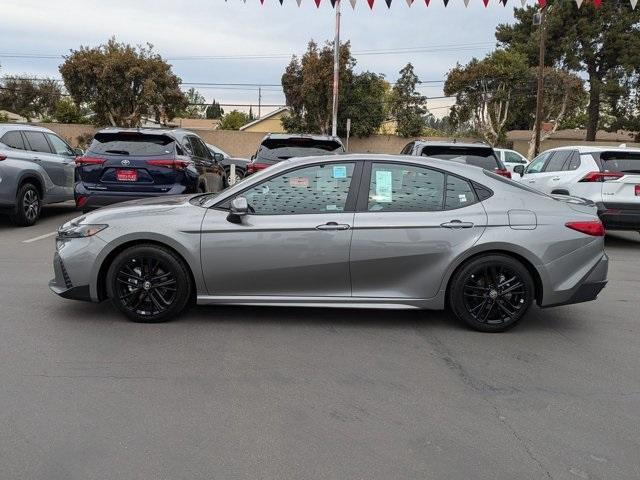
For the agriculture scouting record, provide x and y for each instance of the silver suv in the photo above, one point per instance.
(36, 168)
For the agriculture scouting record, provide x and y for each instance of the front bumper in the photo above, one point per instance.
(619, 216)
(61, 283)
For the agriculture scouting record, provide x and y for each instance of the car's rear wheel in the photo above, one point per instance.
(149, 283)
(491, 293)
(239, 175)
(28, 206)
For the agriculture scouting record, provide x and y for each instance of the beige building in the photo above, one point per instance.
(563, 138)
(269, 123)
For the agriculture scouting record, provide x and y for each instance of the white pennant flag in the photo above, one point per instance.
(299, 2)
(524, 2)
(353, 3)
(579, 3)
(633, 4)
(466, 3)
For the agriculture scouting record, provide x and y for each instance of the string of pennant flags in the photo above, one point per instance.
(542, 3)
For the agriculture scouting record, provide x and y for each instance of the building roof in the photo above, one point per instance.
(265, 117)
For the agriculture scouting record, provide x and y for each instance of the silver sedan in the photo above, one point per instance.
(368, 231)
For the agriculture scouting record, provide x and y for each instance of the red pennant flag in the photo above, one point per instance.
(486, 2)
(427, 2)
(388, 2)
(317, 3)
(370, 2)
(261, 2)
(597, 3)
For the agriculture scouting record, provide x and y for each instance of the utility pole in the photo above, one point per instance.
(540, 94)
(336, 72)
(259, 101)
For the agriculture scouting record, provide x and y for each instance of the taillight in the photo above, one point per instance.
(637, 190)
(601, 176)
(504, 172)
(589, 227)
(89, 161)
(254, 167)
(81, 201)
(174, 164)
(3, 157)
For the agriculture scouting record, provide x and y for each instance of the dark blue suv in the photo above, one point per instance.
(125, 164)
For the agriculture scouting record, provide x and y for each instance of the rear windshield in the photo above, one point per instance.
(283, 149)
(477, 156)
(132, 143)
(626, 162)
(515, 184)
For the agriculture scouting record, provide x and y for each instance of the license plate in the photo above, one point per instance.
(127, 175)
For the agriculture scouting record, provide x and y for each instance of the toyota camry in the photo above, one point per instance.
(368, 231)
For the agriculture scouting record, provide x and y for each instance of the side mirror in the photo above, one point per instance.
(239, 208)
(78, 152)
(218, 157)
(519, 169)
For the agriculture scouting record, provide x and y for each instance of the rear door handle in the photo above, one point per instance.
(333, 226)
(37, 159)
(555, 179)
(457, 224)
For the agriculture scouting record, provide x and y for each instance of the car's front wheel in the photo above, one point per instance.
(149, 283)
(491, 293)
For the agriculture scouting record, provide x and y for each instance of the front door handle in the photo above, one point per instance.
(457, 224)
(333, 226)
(555, 179)
(37, 159)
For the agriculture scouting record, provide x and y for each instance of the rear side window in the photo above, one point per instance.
(557, 161)
(37, 142)
(132, 143)
(626, 162)
(274, 149)
(458, 194)
(478, 156)
(573, 163)
(13, 140)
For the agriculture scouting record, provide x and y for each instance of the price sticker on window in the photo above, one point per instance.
(299, 182)
(384, 186)
(339, 171)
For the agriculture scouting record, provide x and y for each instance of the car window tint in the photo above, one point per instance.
(617, 161)
(405, 188)
(13, 140)
(59, 146)
(316, 189)
(37, 142)
(199, 148)
(132, 143)
(556, 163)
(537, 163)
(278, 149)
(477, 156)
(458, 194)
(573, 163)
(513, 157)
(408, 149)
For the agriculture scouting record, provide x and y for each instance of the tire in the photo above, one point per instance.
(149, 284)
(239, 175)
(491, 293)
(28, 206)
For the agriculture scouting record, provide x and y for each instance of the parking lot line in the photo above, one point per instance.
(41, 237)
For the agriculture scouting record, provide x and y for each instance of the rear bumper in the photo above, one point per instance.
(102, 198)
(617, 216)
(585, 290)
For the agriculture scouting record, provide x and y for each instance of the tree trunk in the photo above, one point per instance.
(593, 110)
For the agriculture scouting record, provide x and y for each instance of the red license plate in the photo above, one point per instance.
(127, 175)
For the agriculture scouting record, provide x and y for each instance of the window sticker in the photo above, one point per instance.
(333, 208)
(299, 182)
(384, 186)
(339, 171)
(463, 198)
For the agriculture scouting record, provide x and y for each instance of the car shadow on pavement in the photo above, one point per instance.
(48, 211)
(622, 239)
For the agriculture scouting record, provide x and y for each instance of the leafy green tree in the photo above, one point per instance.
(214, 111)
(29, 98)
(195, 106)
(603, 43)
(68, 112)
(234, 120)
(121, 83)
(408, 106)
(366, 104)
(486, 89)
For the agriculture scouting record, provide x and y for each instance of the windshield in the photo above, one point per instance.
(477, 156)
(283, 149)
(625, 162)
(132, 143)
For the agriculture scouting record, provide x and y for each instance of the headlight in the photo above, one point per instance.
(79, 231)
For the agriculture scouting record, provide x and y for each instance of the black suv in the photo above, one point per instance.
(477, 154)
(125, 164)
(276, 147)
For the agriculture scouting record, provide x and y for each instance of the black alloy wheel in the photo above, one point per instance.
(491, 293)
(149, 283)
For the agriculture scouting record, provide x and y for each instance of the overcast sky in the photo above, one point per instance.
(237, 31)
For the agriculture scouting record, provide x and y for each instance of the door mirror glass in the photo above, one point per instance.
(78, 151)
(218, 157)
(519, 169)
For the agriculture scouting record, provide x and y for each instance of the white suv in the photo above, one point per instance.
(610, 177)
(511, 158)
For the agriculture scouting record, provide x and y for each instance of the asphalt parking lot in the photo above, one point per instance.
(274, 393)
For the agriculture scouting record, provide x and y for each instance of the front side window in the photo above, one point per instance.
(537, 164)
(405, 188)
(37, 142)
(315, 189)
(512, 157)
(199, 148)
(60, 147)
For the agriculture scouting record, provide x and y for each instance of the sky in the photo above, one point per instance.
(233, 33)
